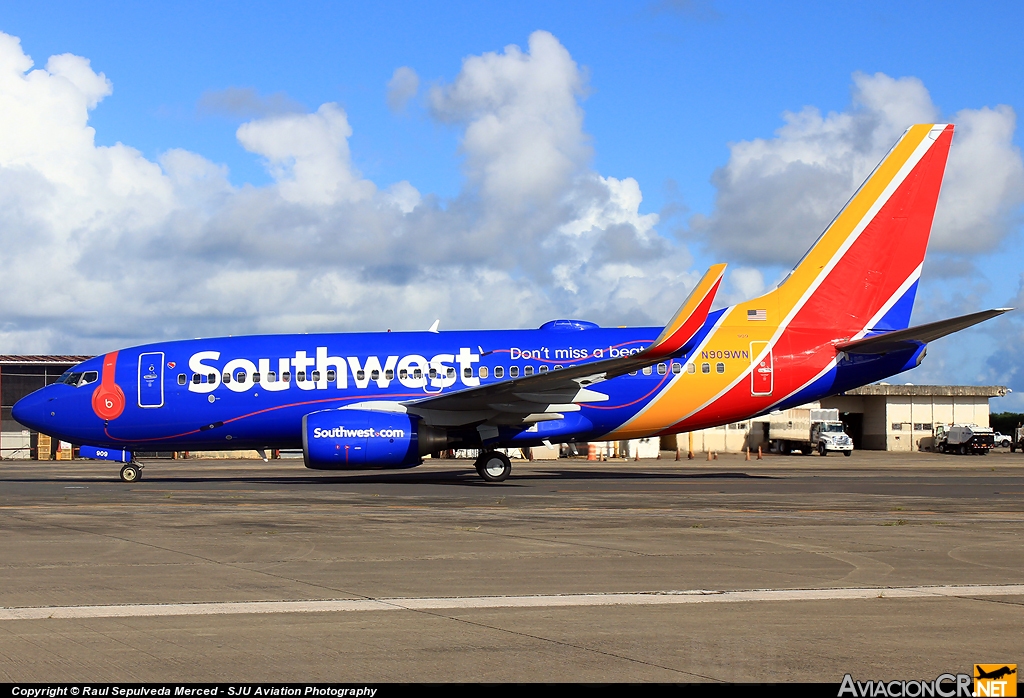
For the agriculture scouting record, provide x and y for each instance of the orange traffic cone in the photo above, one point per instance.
(748, 453)
(759, 453)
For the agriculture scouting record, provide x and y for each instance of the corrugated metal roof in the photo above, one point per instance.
(7, 359)
(931, 390)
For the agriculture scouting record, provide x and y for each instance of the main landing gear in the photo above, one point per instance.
(493, 466)
(131, 472)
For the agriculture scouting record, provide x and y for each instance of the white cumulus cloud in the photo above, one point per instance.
(308, 155)
(107, 248)
(774, 196)
(402, 87)
(523, 138)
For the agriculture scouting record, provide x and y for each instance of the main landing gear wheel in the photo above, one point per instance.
(493, 466)
(131, 473)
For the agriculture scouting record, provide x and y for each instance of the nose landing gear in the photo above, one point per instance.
(131, 472)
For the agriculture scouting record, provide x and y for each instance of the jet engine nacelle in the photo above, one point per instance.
(338, 439)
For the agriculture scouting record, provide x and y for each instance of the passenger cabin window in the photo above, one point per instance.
(331, 375)
(662, 369)
(543, 369)
(256, 377)
(632, 373)
(677, 368)
(212, 378)
(196, 378)
(417, 373)
(271, 376)
(691, 368)
(648, 370)
(467, 372)
(360, 375)
(557, 366)
(390, 374)
(182, 379)
(513, 371)
(286, 376)
(433, 373)
(374, 375)
(300, 377)
(499, 371)
(705, 368)
(483, 371)
(528, 371)
(402, 375)
(240, 376)
(451, 372)
(720, 367)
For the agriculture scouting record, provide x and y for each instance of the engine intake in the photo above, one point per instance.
(339, 439)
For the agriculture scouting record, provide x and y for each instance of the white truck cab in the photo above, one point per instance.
(830, 436)
(808, 429)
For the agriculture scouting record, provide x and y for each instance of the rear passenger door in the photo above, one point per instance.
(762, 375)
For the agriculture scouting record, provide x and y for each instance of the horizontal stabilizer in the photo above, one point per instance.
(914, 336)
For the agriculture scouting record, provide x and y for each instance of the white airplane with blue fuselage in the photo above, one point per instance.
(383, 400)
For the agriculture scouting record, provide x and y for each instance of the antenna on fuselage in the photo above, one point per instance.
(433, 328)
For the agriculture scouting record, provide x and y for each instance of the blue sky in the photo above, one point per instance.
(666, 87)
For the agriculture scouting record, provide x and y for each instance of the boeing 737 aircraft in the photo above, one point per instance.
(839, 320)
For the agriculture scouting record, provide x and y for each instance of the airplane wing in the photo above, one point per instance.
(914, 336)
(546, 396)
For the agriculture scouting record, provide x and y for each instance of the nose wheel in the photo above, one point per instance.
(493, 466)
(132, 472)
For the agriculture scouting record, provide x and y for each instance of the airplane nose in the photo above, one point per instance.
(32, 410)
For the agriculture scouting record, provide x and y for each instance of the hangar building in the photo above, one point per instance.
(878, 417)
(19, 376)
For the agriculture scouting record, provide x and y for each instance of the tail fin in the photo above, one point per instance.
(861, 274)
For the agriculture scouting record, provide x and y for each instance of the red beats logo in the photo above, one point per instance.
(108, 398)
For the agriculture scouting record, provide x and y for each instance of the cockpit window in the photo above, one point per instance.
(79, 378)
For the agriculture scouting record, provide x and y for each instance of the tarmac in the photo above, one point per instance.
(795, 568)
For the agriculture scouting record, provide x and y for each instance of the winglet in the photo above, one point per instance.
(433, 328)
(690, 316)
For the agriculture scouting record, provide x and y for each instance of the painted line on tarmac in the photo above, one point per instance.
(663, 598)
